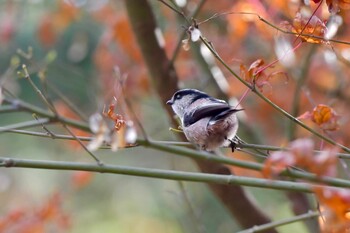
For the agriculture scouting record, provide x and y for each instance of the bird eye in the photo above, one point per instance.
(178, 96)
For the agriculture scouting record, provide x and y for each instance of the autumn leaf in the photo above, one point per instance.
(116, 118)
(335, 5)
(335, 207)
(300, 153)
(304, 26)
(118, 136)
(256, 74)
(81, 178)
(47, 217)
(324, 116)
(277, 162)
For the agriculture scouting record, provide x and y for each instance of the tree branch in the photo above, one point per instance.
(157, 173)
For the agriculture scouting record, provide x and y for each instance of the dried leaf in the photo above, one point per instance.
(117, 118)
(277, 162)
(334, 6)
(81, 178)
(256, 74)
(335, 206)
(301, 154)
(325, 117)
(309, 26)
(324, 163)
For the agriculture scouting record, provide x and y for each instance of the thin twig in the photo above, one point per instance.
(53, 109)
(99, 162)
(310, 214)
(52, 135)
(69, 103)
(183, 34)
(24, 106)
(37, 90)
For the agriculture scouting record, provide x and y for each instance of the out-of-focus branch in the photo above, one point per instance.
(24, 106)
(165, 79)
(157, 173)
(210, 158)
(302, 217)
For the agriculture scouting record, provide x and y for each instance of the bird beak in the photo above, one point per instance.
(170, 102)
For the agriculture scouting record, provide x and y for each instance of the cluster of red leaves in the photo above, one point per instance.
(335, 209)
(118, 120)
(304, 25)
(324, 116)
(256, 74)
(300, 153)
(49, 217)
(122, 134)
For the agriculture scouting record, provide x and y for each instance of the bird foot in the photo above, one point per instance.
(233, 144)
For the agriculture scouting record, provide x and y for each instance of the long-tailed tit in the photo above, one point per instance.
(207, 122)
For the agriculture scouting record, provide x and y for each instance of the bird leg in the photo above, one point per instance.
(233, 144)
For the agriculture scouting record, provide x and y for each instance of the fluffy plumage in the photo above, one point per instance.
(207, 122)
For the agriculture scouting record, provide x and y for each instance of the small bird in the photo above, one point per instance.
(206, 121)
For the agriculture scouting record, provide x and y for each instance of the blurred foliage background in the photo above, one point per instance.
(74, 47)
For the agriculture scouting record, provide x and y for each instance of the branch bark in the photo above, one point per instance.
(165, 80)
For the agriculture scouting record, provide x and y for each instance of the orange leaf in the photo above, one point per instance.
(310, 26)
(301, 154)
(277, 162)
(325, 117)
(335, 5)
(335, 203)
(256, 74)
(81, 178)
